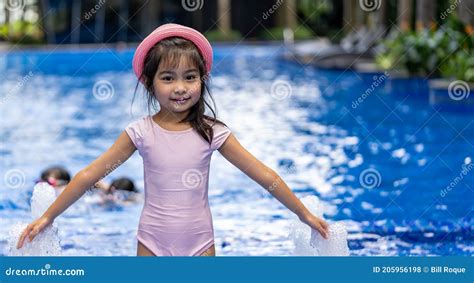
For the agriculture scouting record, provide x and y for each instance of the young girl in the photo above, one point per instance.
(176, 144)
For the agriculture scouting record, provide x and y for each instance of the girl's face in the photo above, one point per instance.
(177, 89)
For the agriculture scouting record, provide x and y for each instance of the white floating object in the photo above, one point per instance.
(335, 245)
(43, 196)
(47, 242)
(309, 242)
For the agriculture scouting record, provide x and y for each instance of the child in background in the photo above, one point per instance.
(57, 177)
(120, 190)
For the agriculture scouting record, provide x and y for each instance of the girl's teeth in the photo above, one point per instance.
(180, 100)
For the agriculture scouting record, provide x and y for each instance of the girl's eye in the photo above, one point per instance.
(167, 78)
(191, 77)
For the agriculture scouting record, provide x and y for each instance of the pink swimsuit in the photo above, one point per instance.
(176, 218)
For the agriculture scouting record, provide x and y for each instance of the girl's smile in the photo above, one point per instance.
(182, 100)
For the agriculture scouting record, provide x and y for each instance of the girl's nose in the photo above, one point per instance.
(180, 88)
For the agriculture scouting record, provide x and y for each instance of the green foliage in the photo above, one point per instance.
(460, 67)
(444, 52)
(22, 32)
(313, 10)
(218, 35)
(316, 14)
(276, 33)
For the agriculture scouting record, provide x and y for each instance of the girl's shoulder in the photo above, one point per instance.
(220, 132)
(142, 123)
(137, 130)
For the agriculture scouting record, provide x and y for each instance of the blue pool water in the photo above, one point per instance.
(395, 170)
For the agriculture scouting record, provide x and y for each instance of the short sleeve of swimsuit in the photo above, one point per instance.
(136, 132)
(221, 133)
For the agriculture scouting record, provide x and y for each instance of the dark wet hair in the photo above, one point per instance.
(56, 172)
(169, 51)
(124, 184)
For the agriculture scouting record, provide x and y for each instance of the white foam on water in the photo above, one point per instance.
(43, 196)
(335, 245)
(47, 242)
(308, 242)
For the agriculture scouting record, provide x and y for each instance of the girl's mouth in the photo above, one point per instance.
(181, 100)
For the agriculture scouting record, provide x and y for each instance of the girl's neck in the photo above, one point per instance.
(170, 118)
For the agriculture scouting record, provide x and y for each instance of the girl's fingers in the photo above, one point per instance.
(23, 236)
(323, 231)
(318, 228)
(321, 226)
(33, 234)
(325, 225)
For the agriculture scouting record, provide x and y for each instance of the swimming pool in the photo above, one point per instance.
(381, 158)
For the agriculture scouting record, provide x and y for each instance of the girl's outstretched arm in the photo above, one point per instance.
(118, 153)
(236, 154)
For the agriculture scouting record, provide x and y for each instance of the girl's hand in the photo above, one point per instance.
(33, 229)
(317, 224)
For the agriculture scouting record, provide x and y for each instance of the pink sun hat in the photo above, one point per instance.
(171, 30)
